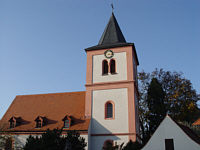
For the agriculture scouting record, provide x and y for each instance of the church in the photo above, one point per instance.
(108, 110)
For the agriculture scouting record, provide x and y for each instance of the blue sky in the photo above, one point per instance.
(42, 42)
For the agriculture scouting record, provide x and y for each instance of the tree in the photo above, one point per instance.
(77, 142)
(32, 143)
(6, 140)
(129, 146)
(8, 144)
(133, 146)
(110, 146)
(180, 98)
(52, 140)
(156, 105)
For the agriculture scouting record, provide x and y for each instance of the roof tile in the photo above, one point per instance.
(52, 106)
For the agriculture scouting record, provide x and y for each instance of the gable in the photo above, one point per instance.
(169, 129)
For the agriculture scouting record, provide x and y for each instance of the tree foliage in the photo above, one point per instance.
(180, 98)
(132, 146)
(129, 146)
(52, 140)
(5, 138)
(110, 146)
(77, 142)
(156, 105)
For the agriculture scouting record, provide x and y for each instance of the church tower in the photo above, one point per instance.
(112, 89)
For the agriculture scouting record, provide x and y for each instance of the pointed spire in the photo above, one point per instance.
(112, 33)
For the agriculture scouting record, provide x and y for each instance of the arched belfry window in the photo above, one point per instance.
(109, 110)
(112, 66)
(104, 67)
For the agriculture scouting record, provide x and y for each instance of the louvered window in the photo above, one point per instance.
(104, 67)
(112, 66)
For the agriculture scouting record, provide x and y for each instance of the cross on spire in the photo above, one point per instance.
(112, 7)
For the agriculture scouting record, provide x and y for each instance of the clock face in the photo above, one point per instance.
(108, 54)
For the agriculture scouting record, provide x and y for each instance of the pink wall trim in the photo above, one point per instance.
(129, 84)
(116, 134)
(131, 102)
(129, 54)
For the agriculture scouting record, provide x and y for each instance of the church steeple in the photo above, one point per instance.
(112, 36)
(112, 33)
(112, 89)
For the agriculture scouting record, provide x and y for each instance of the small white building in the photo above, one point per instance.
(170, 135)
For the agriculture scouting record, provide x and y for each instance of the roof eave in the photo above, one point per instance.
(98, 47)
(106, 46)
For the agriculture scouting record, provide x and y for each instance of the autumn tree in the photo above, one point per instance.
(180, 97)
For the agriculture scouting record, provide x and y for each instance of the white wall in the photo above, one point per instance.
(86, 140)
(98, 141)
(20, 140)
(117, 125)
(121, 68)
(170, 130)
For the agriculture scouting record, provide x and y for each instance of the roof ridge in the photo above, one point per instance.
(50, 94)
(190, 133)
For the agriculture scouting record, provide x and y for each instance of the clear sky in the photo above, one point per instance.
(42, 42)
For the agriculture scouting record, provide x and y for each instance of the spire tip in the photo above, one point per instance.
(112, 7)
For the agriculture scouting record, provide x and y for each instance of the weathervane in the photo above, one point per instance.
(112, 7)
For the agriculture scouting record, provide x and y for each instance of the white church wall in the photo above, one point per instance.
(20, 140)
(121, 68)
(86, 140)
(168, 129)
(98, 141)
(119, 124)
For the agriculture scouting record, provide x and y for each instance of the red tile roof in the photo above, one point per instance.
(188, 131)
(197, 122)
(51, 107)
